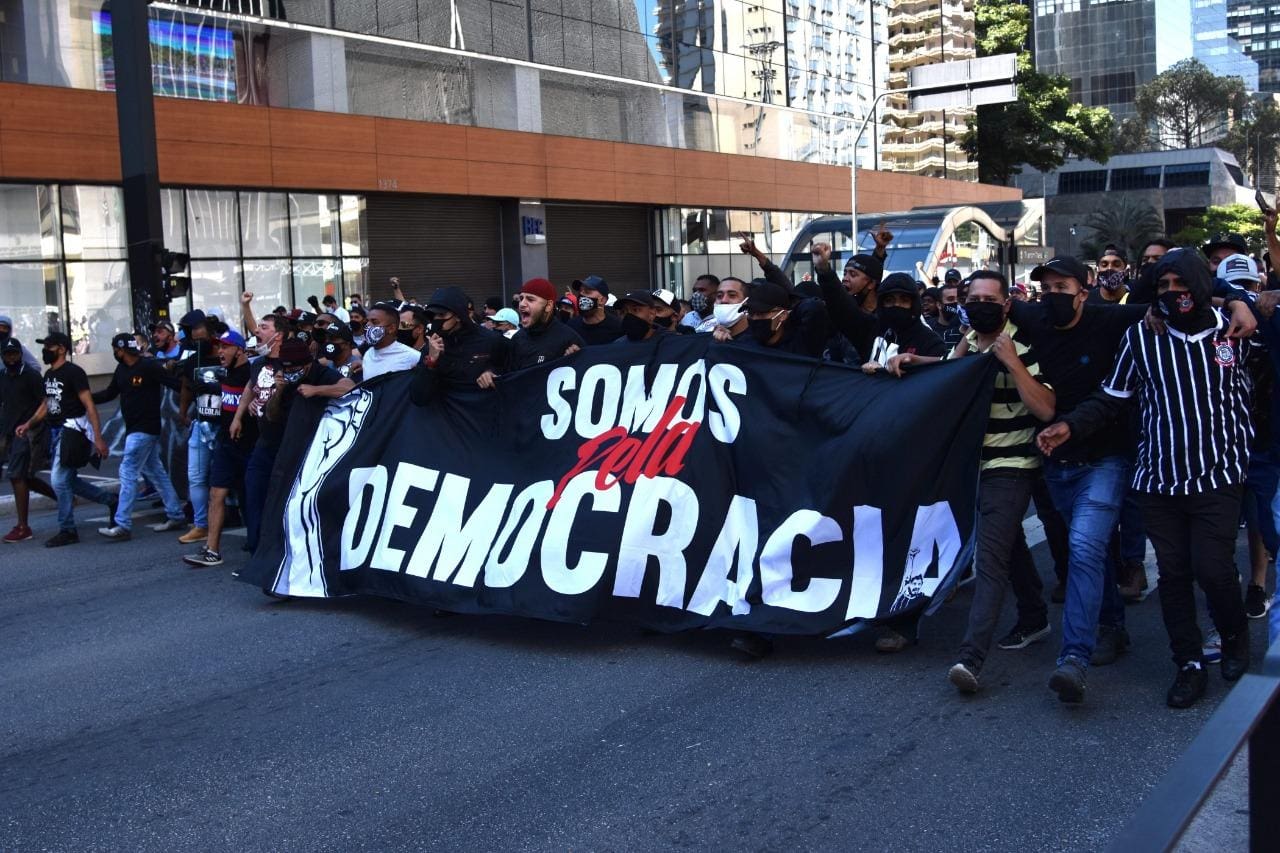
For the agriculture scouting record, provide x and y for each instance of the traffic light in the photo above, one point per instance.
(174, 280)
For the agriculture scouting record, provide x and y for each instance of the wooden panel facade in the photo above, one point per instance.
(61, 135)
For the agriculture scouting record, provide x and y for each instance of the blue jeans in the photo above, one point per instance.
(142, 456)
(1089, 497)
(257, 479)
(199, 452)
(67, 485)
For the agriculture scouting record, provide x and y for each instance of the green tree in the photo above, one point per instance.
(1255, 139)
(1043, 126)
(1241, 219)
(1123, 221)
(1132, 136)
(1190, 103)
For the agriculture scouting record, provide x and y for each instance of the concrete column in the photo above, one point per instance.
(522, 258)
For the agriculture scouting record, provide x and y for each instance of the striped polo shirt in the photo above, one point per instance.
(1193, 393)
(1011, 428)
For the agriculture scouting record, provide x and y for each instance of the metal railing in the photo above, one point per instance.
(1249, 715)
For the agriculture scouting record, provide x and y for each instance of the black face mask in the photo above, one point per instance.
(895, 318)
(1182, 311)
(985, 317)
(665, 322)
(1061, 308)
(586, 304)
(950, 311)
(356, 327)
(49, 355)
(634, 327)
(406, 337)
(761, 330)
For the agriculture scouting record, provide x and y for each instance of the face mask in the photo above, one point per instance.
(330, 351)
(1061, 308)
(634, 327)
(665, 322)
(951, 312)
(699, 302)
(761, 330)
(405, 336)
(1111, 279)
(896, 318)
(375, 334)
(356, 327)
(263, 347)
(49, 355)
(728, 313)
(586, 304)
(292, 376)
(1180, 309)
(984, 317)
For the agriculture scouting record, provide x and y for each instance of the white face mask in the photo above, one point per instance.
(727, 314)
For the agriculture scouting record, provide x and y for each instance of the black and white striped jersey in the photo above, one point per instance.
(1193, 394)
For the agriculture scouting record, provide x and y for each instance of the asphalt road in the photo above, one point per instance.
(147, 706)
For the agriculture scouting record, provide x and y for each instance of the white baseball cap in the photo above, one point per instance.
(1239, 268)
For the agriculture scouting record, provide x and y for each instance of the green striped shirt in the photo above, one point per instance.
(1011, 428)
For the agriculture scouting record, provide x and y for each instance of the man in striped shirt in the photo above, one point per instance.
(1192, 389)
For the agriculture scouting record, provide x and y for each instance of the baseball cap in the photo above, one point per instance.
(55, 339)
(1239, 268)
(767, 296)
(639, 297)
(952, 275)
(232, 337)
(594, 282)
(869, 265)
(11, 345)
(1062, 265)
(294, 351)
(124, 340)
(507, 315)
(666, 297)
(1219, 241)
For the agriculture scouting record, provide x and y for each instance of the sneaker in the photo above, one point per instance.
(1235, 656)
(19, 533)
(964, 676)
(1188, 685)
(1058, 595)
(116, 533)
(891, 641)
(1256, 603)
(195, 534)
(1021, 637)
(1112, 642)
(63, 537)
(169, 524)
(1212, 649)
(1068, 681)
(754, 646)
(203, 559)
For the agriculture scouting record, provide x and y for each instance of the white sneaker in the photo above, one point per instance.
(170, 524)
(1212, 647)
(115, 534)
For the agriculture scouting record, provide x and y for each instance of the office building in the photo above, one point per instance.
(1256, 27)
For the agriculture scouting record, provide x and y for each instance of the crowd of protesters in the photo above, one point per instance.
(1132, 402)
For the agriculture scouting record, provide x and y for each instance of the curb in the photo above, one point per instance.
(8, 505)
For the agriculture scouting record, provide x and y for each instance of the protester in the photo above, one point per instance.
(900, 328)
(6, 332)
(139, 384)
(413, 328)
(665, 306)
(1113, 279)
(21, 392)
(229, 454)
(1221, 246)
(930, 300)
(74, 431)
(386, 354)
(460, 354)
(729, 315)
(331, 306)
(1193, 392)
(505, 321)
(541, 337)
(946, 325)
(337, 349)
(702, 296)
(639, 309)
(778, 321)
(594, 323)
(359, 319)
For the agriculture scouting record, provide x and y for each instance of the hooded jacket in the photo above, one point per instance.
(469, 351)
(1195, 274)
(915, 337)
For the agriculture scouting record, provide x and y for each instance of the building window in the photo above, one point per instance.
(1142, 178)
(1118, 88)
(1094, 181)
(1186, 175)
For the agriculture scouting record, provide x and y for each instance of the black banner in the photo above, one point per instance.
(675, 484)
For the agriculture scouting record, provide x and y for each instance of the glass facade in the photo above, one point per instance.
(1256, 27)
(63, 259)
(779, 78)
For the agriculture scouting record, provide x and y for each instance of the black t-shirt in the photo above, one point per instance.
(232, 384)
(141, 390)
(271, 430)
(604, 332)
(950, 334)
(62, 388)
(206, 382)
(20, 396)
(1075, 361)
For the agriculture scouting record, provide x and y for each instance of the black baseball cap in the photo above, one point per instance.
(55, 339)
(594, 282)
(640, 297)
(11, 345)
(767, 296)
(1063, 265)
(1220, 241)
(124, 340)
(953, 274)
(868, 265)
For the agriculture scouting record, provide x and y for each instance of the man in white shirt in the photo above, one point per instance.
(331, 306)
(385, 353)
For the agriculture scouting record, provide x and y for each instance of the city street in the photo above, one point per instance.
(149, 706)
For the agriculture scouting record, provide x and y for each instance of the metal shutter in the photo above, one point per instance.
(611, 242)
(432, 241)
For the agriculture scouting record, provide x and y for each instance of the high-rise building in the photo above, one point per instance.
(922, 32)
(1109, 49)
(1256, 27)
(309, 147)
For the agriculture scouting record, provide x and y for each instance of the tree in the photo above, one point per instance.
(1124, 221)
(1190, 103)
(1254, 140)
(1241, 219)
(1042, 127)
(1132, 136)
